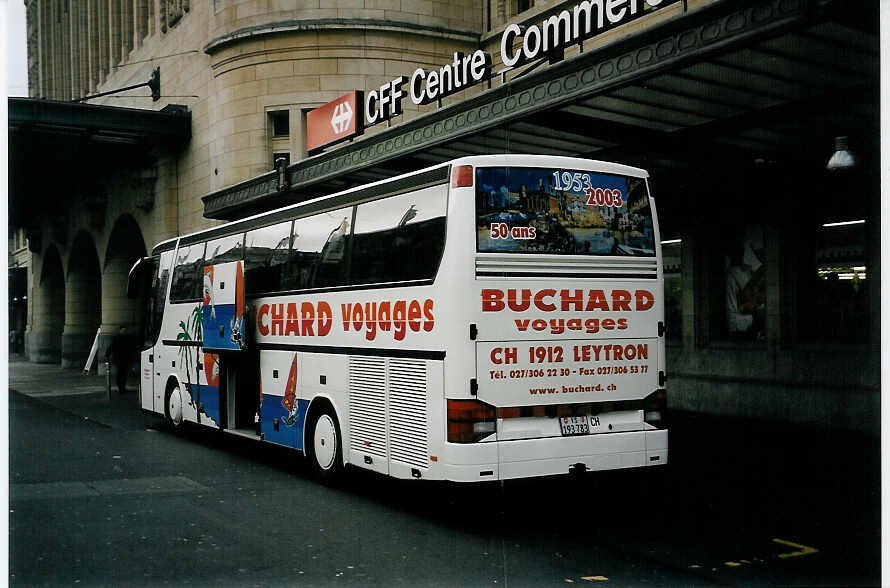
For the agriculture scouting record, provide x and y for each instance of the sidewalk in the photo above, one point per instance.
(72, 391)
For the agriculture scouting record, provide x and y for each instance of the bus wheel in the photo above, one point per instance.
(173, 408)
(323, 445)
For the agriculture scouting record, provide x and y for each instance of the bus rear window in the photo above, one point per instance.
(562, 212)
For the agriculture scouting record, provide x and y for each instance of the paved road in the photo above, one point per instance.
(100, 497)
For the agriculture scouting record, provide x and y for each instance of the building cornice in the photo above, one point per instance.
(328, 24)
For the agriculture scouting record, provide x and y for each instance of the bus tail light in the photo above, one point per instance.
(469, 421)
(655, 407)
(462, 176)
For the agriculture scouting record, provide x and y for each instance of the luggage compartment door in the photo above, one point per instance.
(223, 307)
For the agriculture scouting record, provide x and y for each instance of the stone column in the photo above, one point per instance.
(688, 279)
(46, 296)
(117, 310)
(82, 304)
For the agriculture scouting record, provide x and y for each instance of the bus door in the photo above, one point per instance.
(148, 282)
(282, 413)
(223, 307)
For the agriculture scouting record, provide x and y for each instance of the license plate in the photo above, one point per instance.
(574, 425)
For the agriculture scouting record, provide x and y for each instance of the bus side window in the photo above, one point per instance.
(188, 275)
(321, 245)
(400, 238)
(225, 249)
(266, 259)
(155, 310)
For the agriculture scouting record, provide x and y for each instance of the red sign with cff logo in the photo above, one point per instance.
(336, 121)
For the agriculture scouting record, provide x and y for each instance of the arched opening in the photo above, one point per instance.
(43, 341)
(82, 301)
(125, 246)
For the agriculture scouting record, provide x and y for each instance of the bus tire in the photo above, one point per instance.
(323, 445)
(173, 408)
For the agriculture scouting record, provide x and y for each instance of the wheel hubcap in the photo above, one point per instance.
(174, 406)
(325, 442)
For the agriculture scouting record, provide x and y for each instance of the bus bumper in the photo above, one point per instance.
(505, 460)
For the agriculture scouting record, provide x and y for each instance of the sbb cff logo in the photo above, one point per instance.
(336, 121)
(502, 231)
(341, 118)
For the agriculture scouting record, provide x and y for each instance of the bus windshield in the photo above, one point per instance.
(562, 212)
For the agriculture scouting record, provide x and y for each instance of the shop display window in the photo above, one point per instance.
(745, 285)
(834, 300)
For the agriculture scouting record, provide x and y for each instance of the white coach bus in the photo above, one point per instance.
(488, 318)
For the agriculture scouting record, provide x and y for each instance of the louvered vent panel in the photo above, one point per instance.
(505, 264)
(367, 405)
(408, 413)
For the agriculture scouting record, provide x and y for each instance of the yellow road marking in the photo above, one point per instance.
(732, 564)
(801, 549)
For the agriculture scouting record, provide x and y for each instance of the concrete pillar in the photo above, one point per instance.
(81, 321)
(688, 279)
(117, 310)
(772, 242)
(799, 245)
(703, 307)
(82, 304)
(43, 338)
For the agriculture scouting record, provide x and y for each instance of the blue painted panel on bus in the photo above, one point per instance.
(290, 421)
(222, 328)
(209, 397)
(210, 400)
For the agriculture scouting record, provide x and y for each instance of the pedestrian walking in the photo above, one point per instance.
(121, 352)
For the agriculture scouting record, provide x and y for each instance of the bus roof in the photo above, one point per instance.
(520, 160)
(433, 175)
